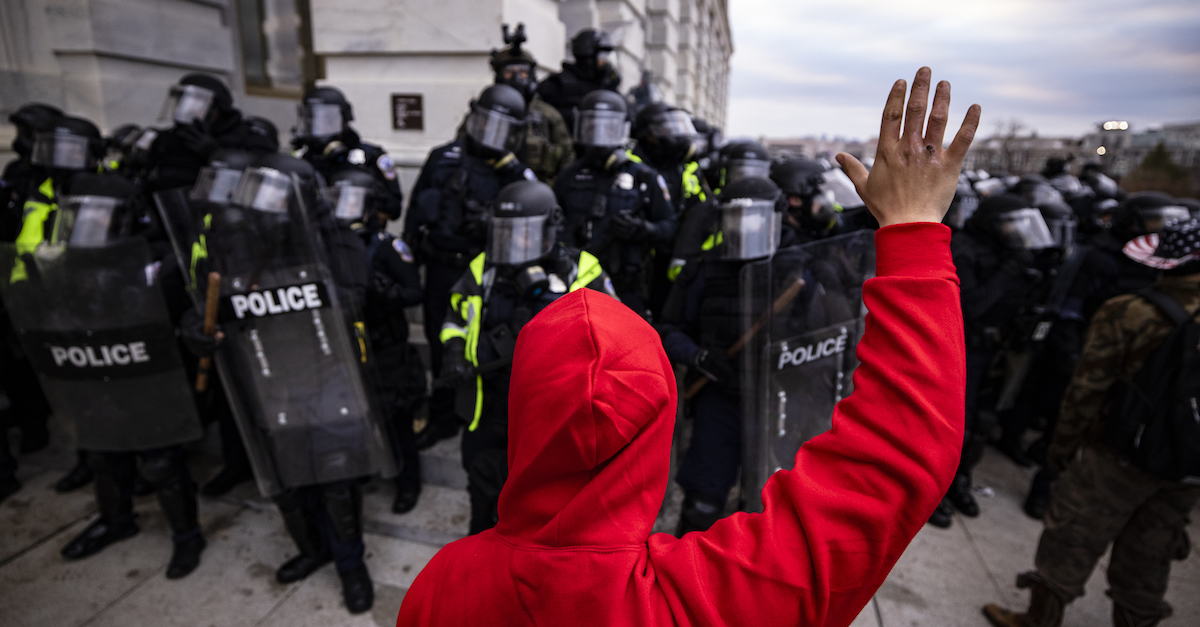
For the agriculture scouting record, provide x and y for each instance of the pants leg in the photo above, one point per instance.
(115, 475)
(485, 456)
(974, 441)
(233, 449)
(710, 466)
(167, 470)
(1142, 553)
(340, 521)
(439, 278)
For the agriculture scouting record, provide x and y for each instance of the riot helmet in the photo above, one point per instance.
(31, 119)
(1060, 219)
(218, 180)
(1012, 222)
(1037, 191)
(992, 186)
(524, 224)
(1146, 212)
(514, 66)
(808, 198)
(496, 124)
(322, 114)
(197, 97)
(270, 184)
(749, 219)
(261, 135)
(600, 122)
(964, 205)
(95, 212)
(351, 194)
(592, 50)
(665, 133)
(1099, 182)
(742, 159)
(72, 144)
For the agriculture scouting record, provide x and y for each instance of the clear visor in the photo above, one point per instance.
(1026, 229)
(750, 228)
(215, 185)
(318, 120)
(187, 103)
(1062, 230)
(838, 184)
(1044, 195)
(263, 189)
(961, 210)
(85, 220)
(990, 187)
(61, 150)
(513, 241)
(601, 128)
(349, 201)
(494, 130)
(739, 169)
(1067, 185)
(673, 124)
(1156, 217)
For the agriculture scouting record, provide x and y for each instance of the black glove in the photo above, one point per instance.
(196, 139)
(385, 288)
(713, 365)
(456, 370)
(627, 226)
(509, 168)
(191, 329)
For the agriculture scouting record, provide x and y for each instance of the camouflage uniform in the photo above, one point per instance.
(1101, 497)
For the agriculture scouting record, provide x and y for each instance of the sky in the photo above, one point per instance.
(808, 68)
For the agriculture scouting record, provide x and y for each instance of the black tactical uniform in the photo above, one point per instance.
(591, 70)
(447, 224)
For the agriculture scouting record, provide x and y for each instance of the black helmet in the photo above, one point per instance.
(749, 219)
(600, 120)
(323, 113)
(1060, 219)
(196, 97)
(496, 124)
(1146, 212)
(261, 135)
(71, 144)
(523, 79)
(352, 194)
(964, 205)
(30, 120)
(124, 137)
(94, 211)
(1036, 190)
(267, 185)
(1010, 220)
(589, 43)
(741, 159)
(524, 223)
(798, 176)
(217, 180)
(666, 133)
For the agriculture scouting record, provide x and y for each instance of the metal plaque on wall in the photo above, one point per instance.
(408, 112)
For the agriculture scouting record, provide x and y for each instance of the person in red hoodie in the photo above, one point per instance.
(592, 411)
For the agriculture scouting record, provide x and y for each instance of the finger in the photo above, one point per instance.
(893, 113)
(939, 114)
(962, 141)
(914, 118)
(855, 170)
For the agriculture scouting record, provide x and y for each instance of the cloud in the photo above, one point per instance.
(803, 68)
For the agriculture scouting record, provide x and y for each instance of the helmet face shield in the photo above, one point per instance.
(1155, 217)
(62, 150)
(739, 169)
(187, 103)
(1024, 229)
(495, 130)
(750, 228)
(215, 185)
(673, 124)
(318, 119)
(85, 220)
(601, 128)
(349, 201)
(1063, 231)
(263, 189)
(517, 240)
(836, 183)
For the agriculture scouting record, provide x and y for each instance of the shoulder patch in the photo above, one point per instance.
(403, 249)
(385, 165)
(529, 175)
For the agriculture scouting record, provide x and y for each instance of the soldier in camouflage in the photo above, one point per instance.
(1100, 497)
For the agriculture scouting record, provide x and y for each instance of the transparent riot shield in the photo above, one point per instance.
(94, 323)
(291, 370)
(802, 314)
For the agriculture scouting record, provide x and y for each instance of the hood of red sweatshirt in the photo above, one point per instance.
(591, 415)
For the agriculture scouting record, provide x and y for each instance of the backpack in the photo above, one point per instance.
(1154, 419)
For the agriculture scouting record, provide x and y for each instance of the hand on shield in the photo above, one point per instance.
(913, 178)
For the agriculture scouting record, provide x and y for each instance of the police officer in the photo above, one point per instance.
(323, 137)
(523, 269)
(593, 69)
(616, 208)
(447, 220)
(701, 320)
(547, 148)
(164, 468)
(811, 213)
(394, 284)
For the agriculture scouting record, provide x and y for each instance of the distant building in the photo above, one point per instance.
(815, 148)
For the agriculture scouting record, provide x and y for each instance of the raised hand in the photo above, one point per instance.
(913, 178)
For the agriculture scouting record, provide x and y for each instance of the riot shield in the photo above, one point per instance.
(802, 314)
(290, 370)
(94, 323)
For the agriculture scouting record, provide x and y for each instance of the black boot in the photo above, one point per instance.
(436, 431)
(408, 491)
(225, 481)
(178, 502)
(186, 557)
(698, 514)
(115, 523)
(1038, 500)
(961, 498)
(357, 590)
(77, 477)
(943, 516)
(301, 525)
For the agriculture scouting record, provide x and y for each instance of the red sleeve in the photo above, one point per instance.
(833, 527)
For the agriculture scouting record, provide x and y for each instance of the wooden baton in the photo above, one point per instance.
(211, 302)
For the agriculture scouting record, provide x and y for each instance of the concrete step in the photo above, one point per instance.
(441, 464)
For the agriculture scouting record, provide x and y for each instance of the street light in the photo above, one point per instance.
(1116, 125)
(1100, 151)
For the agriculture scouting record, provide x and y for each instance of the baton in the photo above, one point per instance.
(211, 301)
(786, 297)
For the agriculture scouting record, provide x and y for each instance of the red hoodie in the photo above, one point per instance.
(592, 413)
